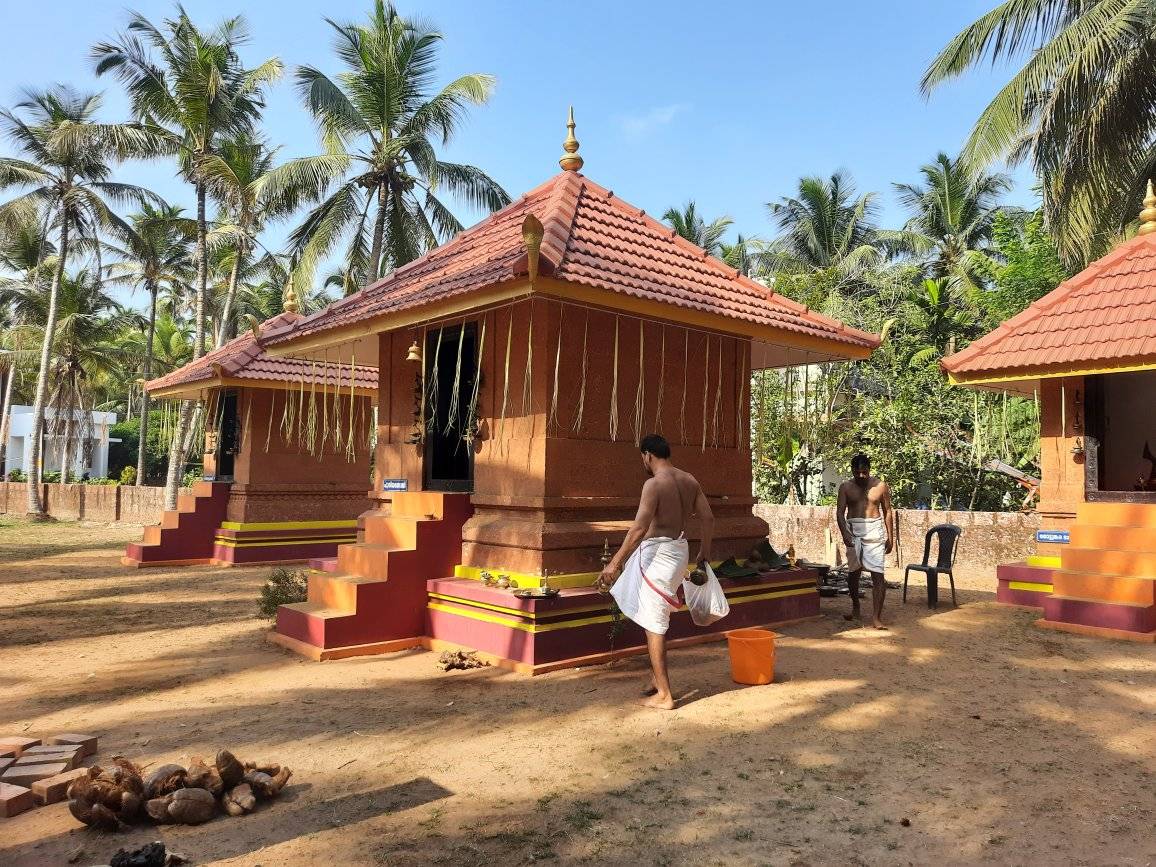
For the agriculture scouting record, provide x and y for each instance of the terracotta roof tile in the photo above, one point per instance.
(244, 358)
(591, 238)
(1105, 315)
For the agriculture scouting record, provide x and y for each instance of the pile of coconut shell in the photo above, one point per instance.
(111, 798)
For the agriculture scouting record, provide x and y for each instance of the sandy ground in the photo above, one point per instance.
(961, 736)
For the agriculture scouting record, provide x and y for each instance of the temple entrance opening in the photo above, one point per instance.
(450, 370)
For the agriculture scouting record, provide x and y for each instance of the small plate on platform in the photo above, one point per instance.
(537, 593)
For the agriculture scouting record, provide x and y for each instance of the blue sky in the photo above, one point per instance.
(727, 103)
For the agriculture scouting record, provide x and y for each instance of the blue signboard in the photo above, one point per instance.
(1054, 537)
(395, 485)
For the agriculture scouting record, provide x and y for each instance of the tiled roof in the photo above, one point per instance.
(1103, 317)
(243, 358)
(592, 238)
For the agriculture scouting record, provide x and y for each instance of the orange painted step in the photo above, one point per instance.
(1116, 538)
(1135, 564)
(1104, 588)
(397, 532)
(1117, 514)
(419, 504)
(345, 592)
(370, 561)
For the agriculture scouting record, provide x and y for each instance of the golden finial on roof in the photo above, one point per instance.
(571, 161)
(290, 303)
(1148, 215)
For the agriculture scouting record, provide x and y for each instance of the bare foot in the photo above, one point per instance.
(878, 624)
(659, 702)
(651, 689)
(854, 615)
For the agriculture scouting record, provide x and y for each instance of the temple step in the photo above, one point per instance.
(1117, 514)
(372, 596)
(323, 564)
(1105, 588)
(1106, 561)
(1122, 616)
(185, 534)
(1113, 537)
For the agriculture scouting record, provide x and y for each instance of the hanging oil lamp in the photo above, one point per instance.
(414, 353)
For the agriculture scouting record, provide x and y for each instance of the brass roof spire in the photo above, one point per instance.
(571, 161)
(1148, 215)
(290, 303)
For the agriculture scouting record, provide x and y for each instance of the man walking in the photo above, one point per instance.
(866, 521)
(656, 554)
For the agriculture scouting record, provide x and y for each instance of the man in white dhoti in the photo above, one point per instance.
(656, 553)
(866, 521)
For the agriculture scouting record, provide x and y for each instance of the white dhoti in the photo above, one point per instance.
(868, 548)
(647, 589)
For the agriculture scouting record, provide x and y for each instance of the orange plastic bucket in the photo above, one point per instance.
(752, 654)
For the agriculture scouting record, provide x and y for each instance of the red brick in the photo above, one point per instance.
(26, 775)
(53, 789)
(15, 799)
(19, 745)
(87, 742)
(69, 755)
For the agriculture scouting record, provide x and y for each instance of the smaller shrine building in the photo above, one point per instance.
(1088, 350)
(287, 450)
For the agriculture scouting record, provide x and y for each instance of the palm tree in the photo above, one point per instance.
(1079, 110)
(65, 171)
(826, 227)
(742, 255)
(688, 224)
(936, 319)
(155, 254)
(379, 181)
(952, 217)
(191, 88)
(236, 178)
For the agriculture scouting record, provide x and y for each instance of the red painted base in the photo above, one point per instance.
(578, 624)
(1009, 574)
(186, 534)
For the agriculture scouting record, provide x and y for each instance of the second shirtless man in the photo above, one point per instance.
(866, 522)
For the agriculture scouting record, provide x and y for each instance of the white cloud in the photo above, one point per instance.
(639, 125)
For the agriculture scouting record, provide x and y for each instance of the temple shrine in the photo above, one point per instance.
(518, 366)
(286, 456)
(1088, 350)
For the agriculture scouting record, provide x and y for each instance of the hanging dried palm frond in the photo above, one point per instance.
(742, 404)
(269, 428)
(717, 396)
(350, 445)
(661, 381)
(527, 384)
(552, 417)
(614, 389)
(761, 449)
(472, 416)
(452, 419)
(506, 376)
(581, 410)
(640, 393)
(705, 388)
(324, 406)
(311, 421)
(433, 382)
(685, 376)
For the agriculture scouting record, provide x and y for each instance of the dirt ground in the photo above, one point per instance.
(960, 736)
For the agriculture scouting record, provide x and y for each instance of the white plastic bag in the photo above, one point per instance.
(707, 603)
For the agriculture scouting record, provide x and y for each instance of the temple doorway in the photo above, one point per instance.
(450, 370)
(227, 436)
(1120, 416)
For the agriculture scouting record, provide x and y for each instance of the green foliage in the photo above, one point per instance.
(122, 455)
(128, 476)
(50, 477)
(105, 482)
(191, 477)
(17, 475)
(282, 587)
(1029, 266)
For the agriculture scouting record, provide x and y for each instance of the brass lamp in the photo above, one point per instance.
(414, 353)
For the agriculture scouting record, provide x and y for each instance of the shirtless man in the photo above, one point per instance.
(866, 521)
(654, 557)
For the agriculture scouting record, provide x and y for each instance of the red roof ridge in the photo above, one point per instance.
(560, 212)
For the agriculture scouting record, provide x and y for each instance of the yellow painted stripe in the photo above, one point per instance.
(1028, 585)
(1043, 562)
(568, 581)
(289, 525)
(486, 617)
(1049, 373)
(230, 543)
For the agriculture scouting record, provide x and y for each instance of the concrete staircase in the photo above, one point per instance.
(186, 535)
(1106, 583)
(373, 598)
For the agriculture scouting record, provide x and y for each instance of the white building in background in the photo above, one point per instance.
(90, 456)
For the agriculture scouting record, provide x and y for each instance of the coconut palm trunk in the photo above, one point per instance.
(36, 440)
(178, 452)
(230, 296)
(378, 236)
(66, 446)
(6, 416)
(150, 339)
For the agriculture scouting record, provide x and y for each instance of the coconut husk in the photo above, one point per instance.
(183, 807)
(107, 798)
(270, 768)
(231, 770)
(239, 800)
(163, 780)
(204, 776)
(266, 786)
